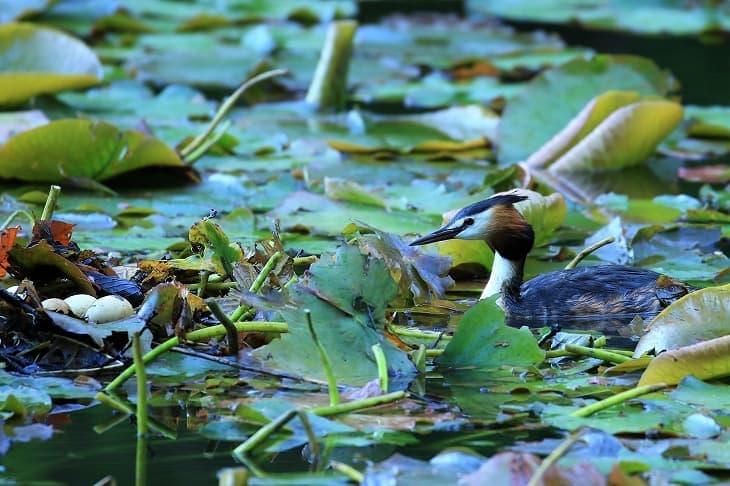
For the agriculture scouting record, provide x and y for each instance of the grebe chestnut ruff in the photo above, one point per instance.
(617, 291)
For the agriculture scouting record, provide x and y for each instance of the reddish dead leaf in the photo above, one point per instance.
(473, 69)
(712, 174)
(7, 240)
(54, 232)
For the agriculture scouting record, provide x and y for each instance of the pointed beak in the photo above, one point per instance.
(440, 234)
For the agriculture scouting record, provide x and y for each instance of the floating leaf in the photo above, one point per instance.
(554, 98)
(31, 64)
(417, 274)
(483, 340)
(346, 293)
(219, 250)
(692, 390)
(344, 190)
(626, 138)
(74, 148)
(696, 317)
(38, 259)
(705, 360)
(592, 115)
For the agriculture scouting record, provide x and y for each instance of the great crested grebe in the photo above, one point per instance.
(617, 291)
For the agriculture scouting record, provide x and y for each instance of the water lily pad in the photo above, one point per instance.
(483, 340)
(346, 293)
(81, 148)
(31, 64)
(704, 360)
(527, 124)
(696, 317)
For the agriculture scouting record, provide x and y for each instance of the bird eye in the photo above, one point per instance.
(469, 221)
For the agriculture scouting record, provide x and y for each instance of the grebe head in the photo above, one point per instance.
(494, 220)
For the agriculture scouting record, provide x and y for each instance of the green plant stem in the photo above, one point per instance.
(231, 331)
(14, 214)
(141, 462)
(349, 471)
(311, 436)
(600, 342)
(263, 433)
(328, 88)
(553, 457)
(193, 156)
(226, 107)
(358, 404)
(418, 333)
(128, 410)
(430, 353)
(331, 381)
(53, 194)
(616, 399)
(257, 284)
(596, 353)
(213, 285)
(382, 366)
(204, 276)
(587, 251)
(199, 335)
(307, 260)
(261, 277)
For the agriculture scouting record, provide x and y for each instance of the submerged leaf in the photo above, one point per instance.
(483, 340)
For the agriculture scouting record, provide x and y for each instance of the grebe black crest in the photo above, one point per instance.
(605, 290)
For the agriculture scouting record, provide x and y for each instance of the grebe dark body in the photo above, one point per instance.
(617, 292)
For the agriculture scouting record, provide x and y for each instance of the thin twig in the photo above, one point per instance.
(587, 251)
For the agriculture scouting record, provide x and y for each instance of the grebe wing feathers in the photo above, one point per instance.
(594, 290)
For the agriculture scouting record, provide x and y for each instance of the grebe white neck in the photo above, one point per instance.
(505, 273)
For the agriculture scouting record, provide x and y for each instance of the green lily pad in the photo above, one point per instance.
(346, 293)
(81, 148)
(483, 340)
(30, 63)
(696, 317)
(705, 360)
(528, 123)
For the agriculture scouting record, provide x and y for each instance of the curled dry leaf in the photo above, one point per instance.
(705, 360)
(696, 317)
